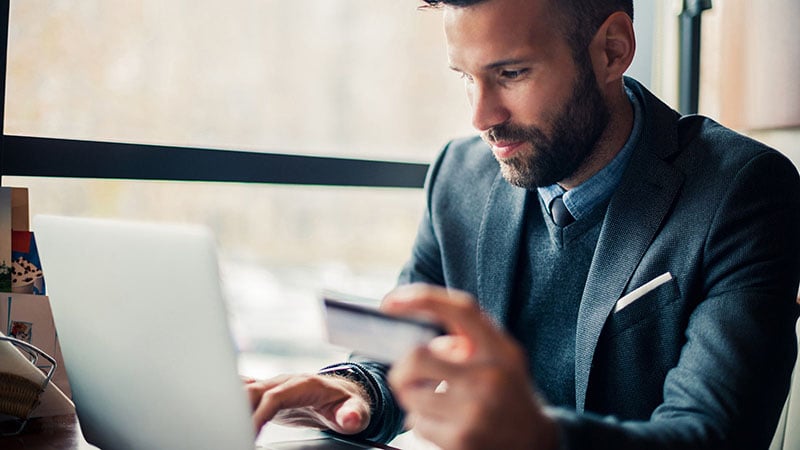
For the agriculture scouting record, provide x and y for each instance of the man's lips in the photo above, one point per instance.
(505, 149)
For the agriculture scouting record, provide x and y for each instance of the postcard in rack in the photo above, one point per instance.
(14, 215)
(26, 275)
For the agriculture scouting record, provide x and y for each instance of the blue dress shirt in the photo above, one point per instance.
(583, 198)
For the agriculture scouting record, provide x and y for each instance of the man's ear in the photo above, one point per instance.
(613, 47)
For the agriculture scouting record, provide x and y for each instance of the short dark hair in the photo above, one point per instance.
(580, 19)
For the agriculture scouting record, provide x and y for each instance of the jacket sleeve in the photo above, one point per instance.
(423, 266)
(425, 263)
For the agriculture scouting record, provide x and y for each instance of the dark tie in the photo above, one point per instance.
(561, 215)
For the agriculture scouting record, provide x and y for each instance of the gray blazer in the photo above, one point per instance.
(702, 361)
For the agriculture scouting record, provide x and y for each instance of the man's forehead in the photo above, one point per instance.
(507, 10)
(498, 30)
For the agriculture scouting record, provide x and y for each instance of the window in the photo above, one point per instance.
(363, 79)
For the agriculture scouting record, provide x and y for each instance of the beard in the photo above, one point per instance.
(575, 132)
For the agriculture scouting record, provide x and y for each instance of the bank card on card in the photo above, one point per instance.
(367, 331)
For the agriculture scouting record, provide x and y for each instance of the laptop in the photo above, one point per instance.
(144, 332)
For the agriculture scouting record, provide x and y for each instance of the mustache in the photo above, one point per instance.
(513, 133)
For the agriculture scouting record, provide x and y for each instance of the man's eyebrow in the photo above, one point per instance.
(505, 62)
(496, 64)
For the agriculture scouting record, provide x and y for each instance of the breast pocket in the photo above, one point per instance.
(648, 306)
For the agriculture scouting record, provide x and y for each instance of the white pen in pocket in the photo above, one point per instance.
(642, 290)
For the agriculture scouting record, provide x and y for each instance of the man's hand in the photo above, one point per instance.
(469, 389)
(316, 401)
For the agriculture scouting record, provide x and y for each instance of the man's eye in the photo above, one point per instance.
(512, 74)
(466, 77)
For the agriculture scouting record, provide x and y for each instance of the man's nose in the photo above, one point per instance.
(488, 109)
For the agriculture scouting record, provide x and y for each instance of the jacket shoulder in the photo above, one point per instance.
(709, 144)
(465, 162)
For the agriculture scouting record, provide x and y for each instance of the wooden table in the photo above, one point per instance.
(64, 433)
(48, 433)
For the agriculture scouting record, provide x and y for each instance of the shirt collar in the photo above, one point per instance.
(581, 200)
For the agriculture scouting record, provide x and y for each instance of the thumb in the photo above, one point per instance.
(352, 416)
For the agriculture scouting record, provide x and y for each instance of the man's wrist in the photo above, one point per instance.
(355, 374)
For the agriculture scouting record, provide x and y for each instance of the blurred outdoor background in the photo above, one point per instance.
(351, 78)
(347, 78)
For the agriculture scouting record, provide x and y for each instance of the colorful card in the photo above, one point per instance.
(13, 216)
(26, 273)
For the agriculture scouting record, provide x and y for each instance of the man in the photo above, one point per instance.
(612, 275)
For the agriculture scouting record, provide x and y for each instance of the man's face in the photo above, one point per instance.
(540, 110)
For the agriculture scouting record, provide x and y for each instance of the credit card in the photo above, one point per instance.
(369, 332)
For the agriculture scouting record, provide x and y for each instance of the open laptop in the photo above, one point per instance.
(144, 332)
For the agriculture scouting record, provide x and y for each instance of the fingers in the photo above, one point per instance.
(274, 396)
(421, 369)
(444, 433)
(457, 311)
(310, 400)
(485, 405)
(426, 384)
(350, 416)
(490, 400)
(255, 389)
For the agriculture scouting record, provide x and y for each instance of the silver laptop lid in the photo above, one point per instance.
(143, 328)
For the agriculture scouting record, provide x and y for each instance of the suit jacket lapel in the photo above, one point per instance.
(635, 213)
(498, 247)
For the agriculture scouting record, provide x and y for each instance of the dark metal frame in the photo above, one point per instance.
(48, 157)
(45, 157)
(690, 31)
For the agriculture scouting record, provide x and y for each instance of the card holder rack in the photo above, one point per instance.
(19, 396)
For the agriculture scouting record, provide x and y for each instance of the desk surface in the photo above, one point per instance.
(49, 433)
(64, 433)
